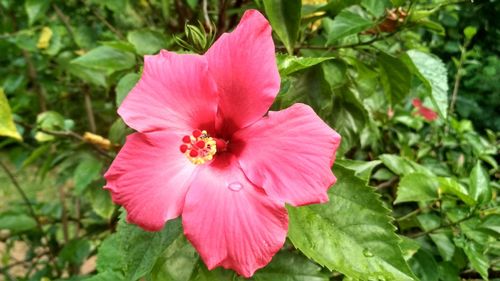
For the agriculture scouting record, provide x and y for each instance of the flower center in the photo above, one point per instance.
(199, 147)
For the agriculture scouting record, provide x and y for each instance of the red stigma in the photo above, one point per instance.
(184, 148)
(186, 139)
(196, 133)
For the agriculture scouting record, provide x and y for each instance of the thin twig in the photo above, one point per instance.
(23, 195)
(106, 23)
(418, 234)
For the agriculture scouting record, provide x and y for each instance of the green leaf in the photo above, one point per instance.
(92, 76)
(425, 266)
(470, 32)
(492, 223)
(402, 166)
(86, 172)
(36, 9)
(352, 233)
(49, 121)
(346, 23)
(101, 202)
(16, 222)
(362, 169)
(289, 266)
(106, 276)
(479, 181)
(7, 126)
(134, 251)
(75, 252)
(395, 77)
(147, 42)
(432, 71)
(451, 186)
(124, 86)
(416, 187)
(478, 260)
(201, 273)
(177, 263)
(106, 58)
(290, 64)
(376, 7)
(284, 16)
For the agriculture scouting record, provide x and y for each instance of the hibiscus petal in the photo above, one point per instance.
(289, 153)
(174, 92)
(150, 178)
(243, 65)
(231, 222)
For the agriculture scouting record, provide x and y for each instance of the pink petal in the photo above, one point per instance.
(243, 65)
(290, 154)
(150, 178)
(231, 222)
(175, 92)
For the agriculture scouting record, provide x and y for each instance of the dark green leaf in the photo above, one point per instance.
(395, 77)
(341, 234)
(134, 251)
(93, 76)
(284, 16)
(177, 263)
(376, 7)
(75, 252)
(288, 266)
(424, 266)
(86, 172)
(416, 187)
(125, 85)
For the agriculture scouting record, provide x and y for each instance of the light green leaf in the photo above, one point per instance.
(106, 276)
(177, 263)
(290, 64)
(491, 222)
(90, 75)
(470, 32)
(395, 77)
(478, 260)
(416, 187)
(346, 23)
(479, 181)
(36, 9)
(124, 86)
(284, 16)
(362, 169)
(101, 202)
(402, 166)
(451, 186)
(86, 172)
(147, 42)
(376, 7)
(351, 233)
(7, 126)
(432, 71)
(106, 58)
(16, 222)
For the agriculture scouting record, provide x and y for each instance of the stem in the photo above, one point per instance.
(65, 21)
(458, 77)
(23, 195)
(90, 112)
(441, 227)
(106, 23)
(64, 215)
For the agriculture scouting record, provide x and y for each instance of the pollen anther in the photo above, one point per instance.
(199, 147)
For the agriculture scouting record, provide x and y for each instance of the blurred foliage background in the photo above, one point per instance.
(412, 87)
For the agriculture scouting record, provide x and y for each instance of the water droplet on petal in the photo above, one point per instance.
(235, 186)
(367, 253)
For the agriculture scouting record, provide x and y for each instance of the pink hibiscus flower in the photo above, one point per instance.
(426, 112)
(206, 150)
